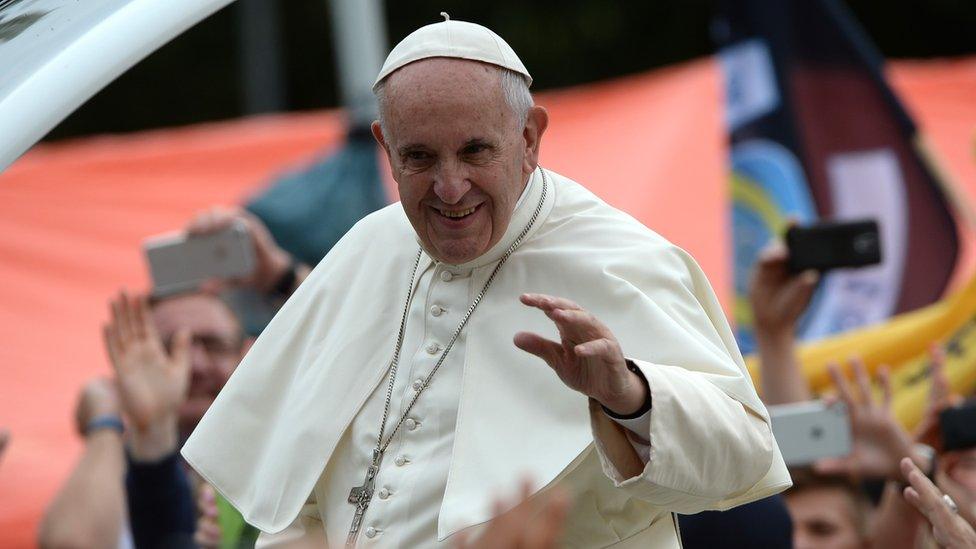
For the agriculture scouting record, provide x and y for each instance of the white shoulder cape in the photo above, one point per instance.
(269, 435)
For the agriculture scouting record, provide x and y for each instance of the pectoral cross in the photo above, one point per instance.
(360, 496)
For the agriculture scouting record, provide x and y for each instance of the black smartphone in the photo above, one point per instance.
(833, 245)
(958, 427)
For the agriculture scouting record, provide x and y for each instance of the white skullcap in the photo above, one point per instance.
(458, 39)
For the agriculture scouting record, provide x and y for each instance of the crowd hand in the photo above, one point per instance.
(940, 397)
(271, 262)
(879, 442)
(152, 384)
(99, 398)
(208, 534)
(532, 524)
(948, 527)
(960, 494)
(777, 296)
(588, 358)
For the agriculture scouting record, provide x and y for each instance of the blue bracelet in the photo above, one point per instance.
(104, 422)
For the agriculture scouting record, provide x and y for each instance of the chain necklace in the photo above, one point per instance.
(360, 496)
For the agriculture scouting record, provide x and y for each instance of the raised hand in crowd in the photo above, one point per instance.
(272, 263)
(940, 397)
(208, 534)
(89, 510)
(879, 442)
(778, 299)
(535, 523)
(948, 528)
(152, 382)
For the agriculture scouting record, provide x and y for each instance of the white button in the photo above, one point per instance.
(383, 494)
(400, 461)
(446, 276)
(432, 348)
(410, 424)
(418, 385)
(436, 310)
(371, 532)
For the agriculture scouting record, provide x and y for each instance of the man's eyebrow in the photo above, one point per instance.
(410, 147)
(477, 141)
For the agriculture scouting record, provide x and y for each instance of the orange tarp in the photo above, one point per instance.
(73, 214)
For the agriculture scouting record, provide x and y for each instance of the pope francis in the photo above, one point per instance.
(401, 388)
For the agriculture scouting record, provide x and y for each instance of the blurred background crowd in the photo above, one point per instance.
(795, 119)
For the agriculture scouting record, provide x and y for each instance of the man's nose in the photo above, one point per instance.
(451, 184)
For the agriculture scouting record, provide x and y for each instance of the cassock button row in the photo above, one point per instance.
(418, 385)
(432, 348)
(383, 494)
(410, 423)
(371, 532)
(446, 276)
(400, 461)
(436, 310)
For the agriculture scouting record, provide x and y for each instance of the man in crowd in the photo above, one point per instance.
(386, 403)
(170, 358)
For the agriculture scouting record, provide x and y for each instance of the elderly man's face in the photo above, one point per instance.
(459, 154)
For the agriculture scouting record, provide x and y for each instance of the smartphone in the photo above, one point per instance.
(179, 262)
(832, 245)
(958, 426)
(808, 431)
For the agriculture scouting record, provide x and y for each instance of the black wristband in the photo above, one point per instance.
(104, 422)
(286, 283)
(647, 400)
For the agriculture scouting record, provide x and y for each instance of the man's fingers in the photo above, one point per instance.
(884, 378)
(112, 346)
(928, 494)
(863, 381)
(840, 382)
(212, 220)
(577, 324)
(181, 349)
(143, 319)
(834, 466)
(602, 348)
(547, 302)
(118, 324)
(547, 350)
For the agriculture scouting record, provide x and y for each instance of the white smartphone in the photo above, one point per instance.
(180, 263)
(808, 431)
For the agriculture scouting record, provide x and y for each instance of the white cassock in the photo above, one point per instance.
(293, 430)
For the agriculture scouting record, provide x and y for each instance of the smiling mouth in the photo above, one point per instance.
(457, 214)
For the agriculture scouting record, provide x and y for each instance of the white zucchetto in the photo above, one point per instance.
(457, 39)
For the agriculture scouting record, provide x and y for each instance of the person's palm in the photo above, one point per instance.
(587, 358)
(878, 442)
(878, 446)
(152, 383)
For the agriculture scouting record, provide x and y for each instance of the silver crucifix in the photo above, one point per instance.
(360, 496)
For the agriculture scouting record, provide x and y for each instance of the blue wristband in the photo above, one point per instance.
(104, 422)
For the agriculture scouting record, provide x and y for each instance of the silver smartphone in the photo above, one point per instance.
(179, 262)
(808, 431)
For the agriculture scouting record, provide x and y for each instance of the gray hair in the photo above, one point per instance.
(514, 86)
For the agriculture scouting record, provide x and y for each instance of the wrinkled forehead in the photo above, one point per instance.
(442, 80)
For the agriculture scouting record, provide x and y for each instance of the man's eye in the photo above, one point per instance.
(416, 156)
(475, 149)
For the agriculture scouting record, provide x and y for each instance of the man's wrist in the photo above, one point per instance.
(634, 407)
(155, 442)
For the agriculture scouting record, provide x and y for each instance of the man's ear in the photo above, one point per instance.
(535, 125)
(378, 135)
